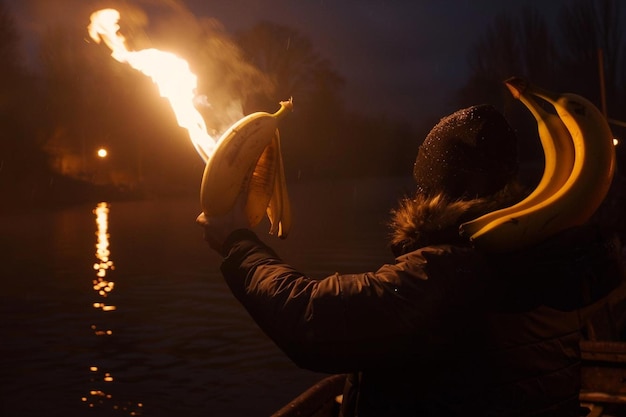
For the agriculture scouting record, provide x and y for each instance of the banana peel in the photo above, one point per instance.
(248, 159)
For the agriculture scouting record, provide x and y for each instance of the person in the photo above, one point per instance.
(447, 330)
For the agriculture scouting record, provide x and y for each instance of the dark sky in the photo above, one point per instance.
(399, 57)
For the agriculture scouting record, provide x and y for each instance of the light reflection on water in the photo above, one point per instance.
(99, 377)
(101, 285)
(177, 342)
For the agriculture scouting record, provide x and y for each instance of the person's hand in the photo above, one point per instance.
(218, 228)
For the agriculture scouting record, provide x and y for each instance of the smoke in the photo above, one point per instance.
(35, 18)
(226, 79)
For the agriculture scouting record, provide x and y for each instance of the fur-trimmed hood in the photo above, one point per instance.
(424, 220)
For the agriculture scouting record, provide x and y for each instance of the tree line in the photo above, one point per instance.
(581, 52)
(54, 119)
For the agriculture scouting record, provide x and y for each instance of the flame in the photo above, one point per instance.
(170, 73)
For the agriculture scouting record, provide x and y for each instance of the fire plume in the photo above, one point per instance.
(169, 72)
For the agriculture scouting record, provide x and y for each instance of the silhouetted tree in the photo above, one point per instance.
(589, 28)
(496, 56)
(74, 94)
(538, 49)
(593, 41)
(321, 138)
(568, 62)
(9, 65)
(8, 75)
(290, 60)
(10, 60)
(510, 47)
(296, 70)
(591, 38)
(21, 162)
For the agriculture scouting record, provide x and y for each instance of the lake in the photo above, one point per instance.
(119, 308)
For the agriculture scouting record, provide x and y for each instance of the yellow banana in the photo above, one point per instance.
(231, 166)
(558, 149)
(584, 190)
(279, 207)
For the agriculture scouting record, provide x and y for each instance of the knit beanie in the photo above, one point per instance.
(469, 154)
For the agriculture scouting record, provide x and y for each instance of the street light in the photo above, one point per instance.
(102, 153)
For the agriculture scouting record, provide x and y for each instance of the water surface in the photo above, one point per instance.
(119, 308)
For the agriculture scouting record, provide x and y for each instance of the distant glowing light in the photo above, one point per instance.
(102, 153)
(615, 141)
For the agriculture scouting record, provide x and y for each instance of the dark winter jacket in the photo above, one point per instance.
(446, 330)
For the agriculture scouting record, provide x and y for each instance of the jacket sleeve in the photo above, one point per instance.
(346, 322)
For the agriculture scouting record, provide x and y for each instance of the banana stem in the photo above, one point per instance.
(516, 86)
(285, 106)
(519, 86)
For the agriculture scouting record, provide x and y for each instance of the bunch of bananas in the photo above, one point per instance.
(579, 167)
(248, 159)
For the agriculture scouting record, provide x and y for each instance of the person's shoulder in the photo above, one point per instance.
(445, 253)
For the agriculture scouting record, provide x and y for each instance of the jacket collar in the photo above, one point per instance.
(424, 220)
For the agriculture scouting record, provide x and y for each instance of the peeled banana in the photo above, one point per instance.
(279, 207)
(261, 185)
(267, 191)
(233, 167)
(558, 149)
(586, 187)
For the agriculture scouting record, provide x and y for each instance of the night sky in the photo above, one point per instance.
(402, 58)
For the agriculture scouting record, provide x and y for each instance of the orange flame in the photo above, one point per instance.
(170, 73)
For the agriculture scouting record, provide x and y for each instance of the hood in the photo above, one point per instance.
(423, 220)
